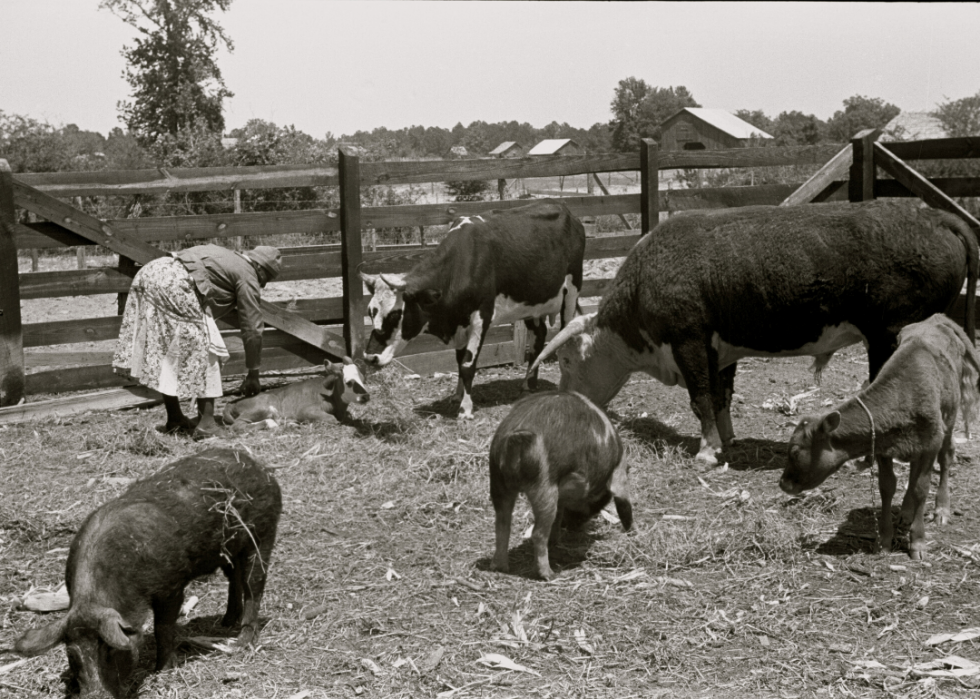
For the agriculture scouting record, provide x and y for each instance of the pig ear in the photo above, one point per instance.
(830, 423)
(41, 640)
(115, 631)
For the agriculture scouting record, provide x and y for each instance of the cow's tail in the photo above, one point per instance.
(969, 237)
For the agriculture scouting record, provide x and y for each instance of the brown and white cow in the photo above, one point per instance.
(908, 413)
(492, 269)
(704, 290)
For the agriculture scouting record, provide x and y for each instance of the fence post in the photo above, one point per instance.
(861, 185)
(502, 188)
(649, 185)
(11, 331)
(351, 248)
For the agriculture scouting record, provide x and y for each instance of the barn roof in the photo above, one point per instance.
(504, 147)
(913, 126)
(550, 146)
(727, 122)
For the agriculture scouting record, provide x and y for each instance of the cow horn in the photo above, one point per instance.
(395, 283)
(576, 326)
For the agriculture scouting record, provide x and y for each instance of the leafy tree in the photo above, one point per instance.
(639, 109)
(859, 113)
(757, 118)
(797, 129)
(468, 190)
(960, 117)
(172, 70)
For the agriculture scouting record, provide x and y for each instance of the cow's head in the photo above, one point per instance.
(593, 361)
(345, 382)
(102, 649)
(397, 315)
(812, 456)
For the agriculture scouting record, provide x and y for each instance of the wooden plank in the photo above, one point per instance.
(950, 186)
(920, 186)
(130, 397)
(351, 254)
(11, 332)
(156, 181)
(861, 185)
(835, 169)
(649, 186)
(936, 148)
(76, 282)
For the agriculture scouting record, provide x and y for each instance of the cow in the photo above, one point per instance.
(562, 451)
(704, 290)
(307, 401)
(493, 269)
(908, 412)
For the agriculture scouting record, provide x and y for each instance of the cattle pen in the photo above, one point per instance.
(302, 332)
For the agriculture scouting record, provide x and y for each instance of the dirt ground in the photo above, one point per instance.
(380, 586)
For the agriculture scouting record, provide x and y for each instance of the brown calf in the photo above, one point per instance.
(913, 402)
(304, 401)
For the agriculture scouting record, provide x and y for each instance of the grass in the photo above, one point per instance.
(379, 582)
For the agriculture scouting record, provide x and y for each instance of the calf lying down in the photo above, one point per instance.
(312, 400)
(913, 402)
(132, 558)
(564, 454)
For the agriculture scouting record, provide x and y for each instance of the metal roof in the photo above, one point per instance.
(550, 146)
(504, 147)
(913, 126)
(727, 122)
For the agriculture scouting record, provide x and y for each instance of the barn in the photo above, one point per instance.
(507, 149)
(913, 126)
(556, 146)
(707, 129)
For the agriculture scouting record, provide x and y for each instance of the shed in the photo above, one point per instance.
(556, 146)
(508, 149)
(913, 126)
(696, 128)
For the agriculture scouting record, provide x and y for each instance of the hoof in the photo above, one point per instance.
(917, 554)
(465, 416)
(941, 518)
(707, 457)
(546, 574)
(500, 566)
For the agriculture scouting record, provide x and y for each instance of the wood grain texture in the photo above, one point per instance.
(649, 185)
(117, 399)
(11, 333)
(836, 168)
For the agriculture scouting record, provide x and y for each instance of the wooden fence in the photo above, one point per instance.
(304, 331)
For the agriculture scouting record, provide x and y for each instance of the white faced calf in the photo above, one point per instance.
(908, 412)
(564, 454)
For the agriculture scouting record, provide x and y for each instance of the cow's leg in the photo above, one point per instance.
(946, 454)
(312, 413)
(698, 363)
(886, 487)
(724, 416)
(540, 329)
(880, 348)
(467, 358)
(919, 477)
(570, 307)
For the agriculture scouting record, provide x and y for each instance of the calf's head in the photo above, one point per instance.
(101, 647)
(344, 383)
(812, 456)
(397, 315)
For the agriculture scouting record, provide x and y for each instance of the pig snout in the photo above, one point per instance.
(789, 485)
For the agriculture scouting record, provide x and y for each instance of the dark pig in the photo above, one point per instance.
(134, 555)
(563, 453)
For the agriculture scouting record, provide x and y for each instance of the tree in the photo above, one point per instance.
(757, 118)
(639, 109)
(859, 113)
(960, 117)
(172, 70)
(797, 129)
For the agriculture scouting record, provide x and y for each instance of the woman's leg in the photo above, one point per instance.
(206, 425)
(176, 420)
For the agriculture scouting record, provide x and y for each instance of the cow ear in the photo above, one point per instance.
(115, 631)
(369, 280)
(427, 297)
(830, 423)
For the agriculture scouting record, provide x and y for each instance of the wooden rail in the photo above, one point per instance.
(331, 317)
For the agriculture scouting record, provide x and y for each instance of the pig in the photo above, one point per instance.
(914, 401)
(132, 558)
(563, 453)
(312, 400)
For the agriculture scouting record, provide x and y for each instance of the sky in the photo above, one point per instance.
(327, 66)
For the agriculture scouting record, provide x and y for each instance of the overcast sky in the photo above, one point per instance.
(343, 66)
